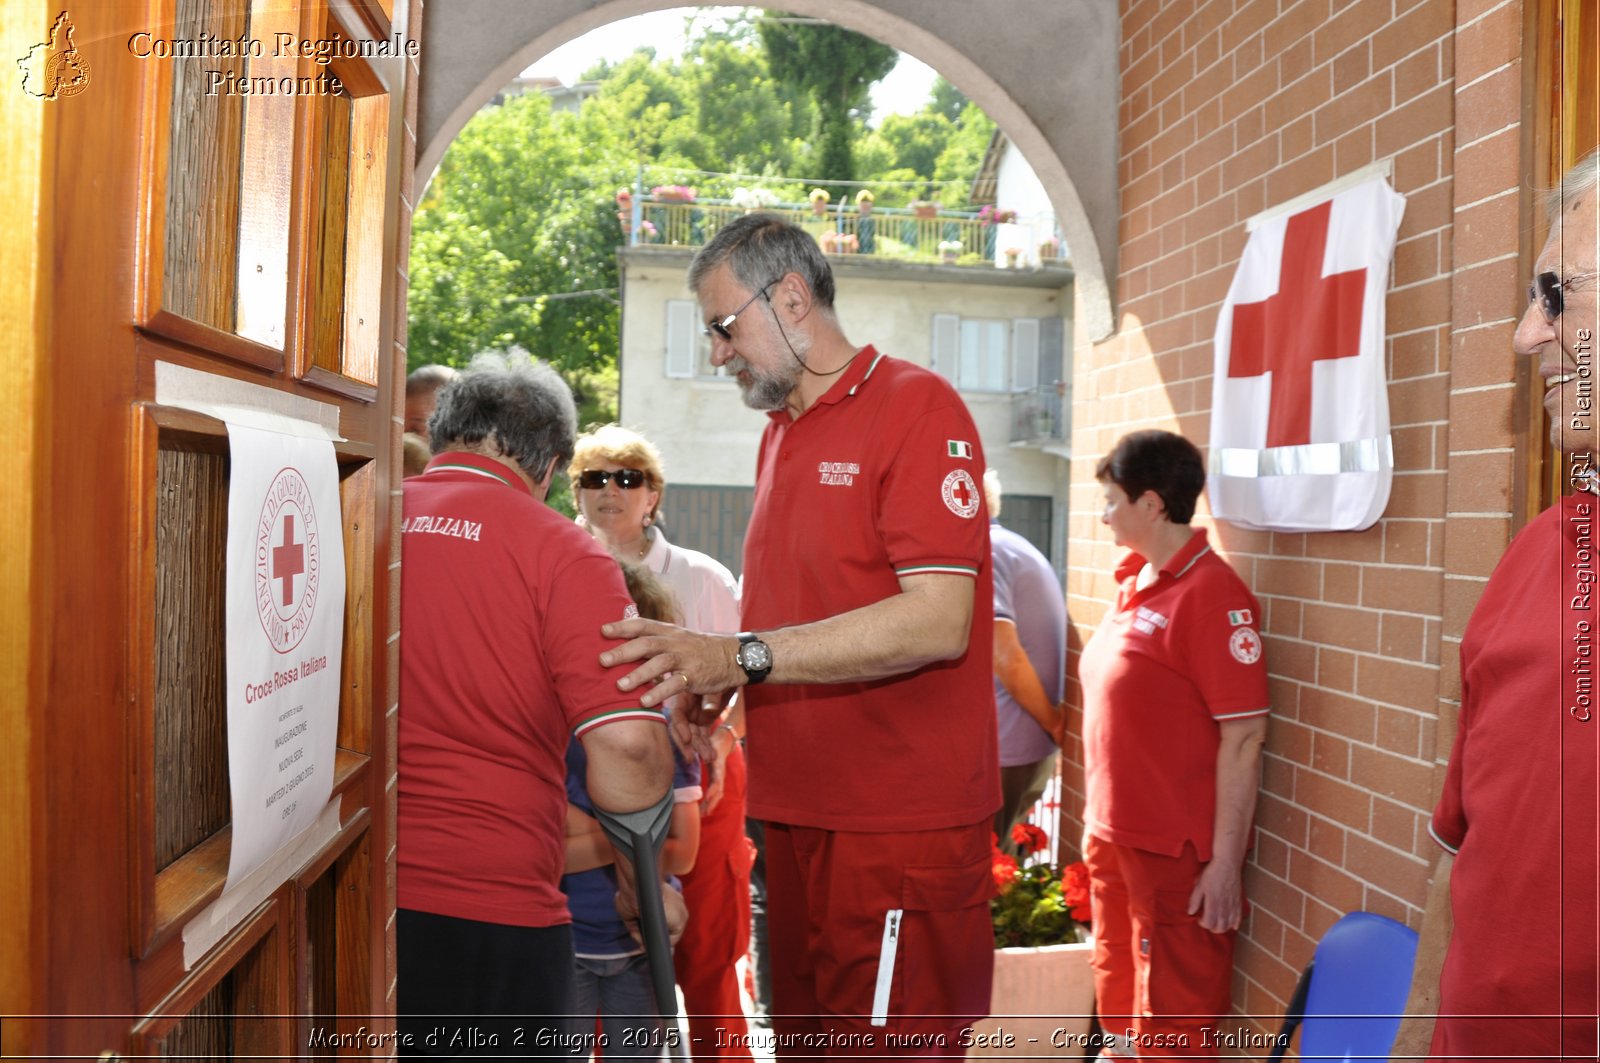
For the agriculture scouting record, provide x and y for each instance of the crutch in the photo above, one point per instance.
(641, 835)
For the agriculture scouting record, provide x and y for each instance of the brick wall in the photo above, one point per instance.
(1228, 109)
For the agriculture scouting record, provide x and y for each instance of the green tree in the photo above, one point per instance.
(517, 223)
(944, 98)
(838, 68)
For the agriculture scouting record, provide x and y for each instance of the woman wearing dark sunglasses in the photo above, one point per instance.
(618, 483)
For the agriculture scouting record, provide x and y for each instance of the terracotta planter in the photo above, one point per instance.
(925, 211)
(1040, 1004)
(818, 207)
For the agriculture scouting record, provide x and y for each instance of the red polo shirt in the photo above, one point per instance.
(879, 479)
(1520, 800)
(1165, 666)
(501, 604)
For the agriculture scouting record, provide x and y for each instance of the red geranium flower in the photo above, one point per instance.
(1075, 890)
(1029, 838)
(1005, 871)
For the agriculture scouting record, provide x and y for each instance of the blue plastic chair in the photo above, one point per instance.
(1351, 996)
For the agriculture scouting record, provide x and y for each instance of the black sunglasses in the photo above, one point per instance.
(627, 479)
(1547, 290)
(720, 328)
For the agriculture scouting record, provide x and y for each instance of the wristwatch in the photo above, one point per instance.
(754, 657)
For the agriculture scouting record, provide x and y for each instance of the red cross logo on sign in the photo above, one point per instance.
(288, 560)
(1310, 319)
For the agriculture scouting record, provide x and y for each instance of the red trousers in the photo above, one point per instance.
(717, 894)
(1159, 977)
(881, 943)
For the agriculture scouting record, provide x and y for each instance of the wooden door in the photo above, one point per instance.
(171, 223)
(1563, 61)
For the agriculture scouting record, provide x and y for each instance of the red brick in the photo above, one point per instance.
(1285, 902)
(1398, 874)
(1241, 36)
(1331, 756)
(1396, 682)
(1489, 43)
(1490, 166)
(1481, 483)
(1287, 576)
(1351, 22)
(1476, 544)
(1405, 542)
(1302, 175)
(1429, 21)
(1414, 354)
(1341, 583)
(1403, 590)
(1324, 882)
(1255, 160)
(1413, 447)
(1394, 824)
(1351, 67)
(1355, 108)
(1336, 669)
(1271, 854)
(1400, 636)
(1282, 616)
(1334, 625)
(1482, 355)
(1400, 730)
(1483, 420)
(1290, 33)
(1296, 138)
(1415, 120)
(1416, 167)
(1419, 400)
(1290, 658)
(1420, 306)
(1416, 259)
(1417, 74)
(1493, 291)
(1402, 779)
(1488, 105)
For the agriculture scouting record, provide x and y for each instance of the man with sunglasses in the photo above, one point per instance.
(864, 666)
(1510, 944)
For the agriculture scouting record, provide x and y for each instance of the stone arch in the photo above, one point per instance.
(1044, 70)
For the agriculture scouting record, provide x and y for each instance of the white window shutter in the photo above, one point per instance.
(680, 338)
(946, 345)
(1025, 354)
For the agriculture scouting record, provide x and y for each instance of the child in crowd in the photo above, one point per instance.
(613, 974)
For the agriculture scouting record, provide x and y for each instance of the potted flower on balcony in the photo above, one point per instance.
(1042, 981)
(923, 208)
(819, 200)
(1049, 249)
(864, 201)
(1013, 257)
(949, 250)
(672, 194)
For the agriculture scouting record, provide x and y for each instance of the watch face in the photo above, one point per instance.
(755, 657)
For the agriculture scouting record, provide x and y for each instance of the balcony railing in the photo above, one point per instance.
(956, 237)
(1038, 416)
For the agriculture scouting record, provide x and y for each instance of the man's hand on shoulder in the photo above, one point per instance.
(673, 660)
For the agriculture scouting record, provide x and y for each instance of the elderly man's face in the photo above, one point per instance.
(418, 409)
(1565, 347)
(757, 354)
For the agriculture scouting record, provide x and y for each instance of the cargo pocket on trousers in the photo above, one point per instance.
(938, 950)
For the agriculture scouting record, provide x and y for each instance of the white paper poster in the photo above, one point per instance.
(285, 631)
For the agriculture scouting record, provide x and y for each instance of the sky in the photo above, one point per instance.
(904, 91)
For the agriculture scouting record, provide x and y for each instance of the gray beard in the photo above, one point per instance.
(765, 391)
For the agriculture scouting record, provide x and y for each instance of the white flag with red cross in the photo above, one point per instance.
(1299, 403)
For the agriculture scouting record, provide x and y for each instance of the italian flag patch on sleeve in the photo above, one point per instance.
(958, 448)
(1238, 616)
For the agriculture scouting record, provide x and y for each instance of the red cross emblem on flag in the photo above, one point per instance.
(1300, 411)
